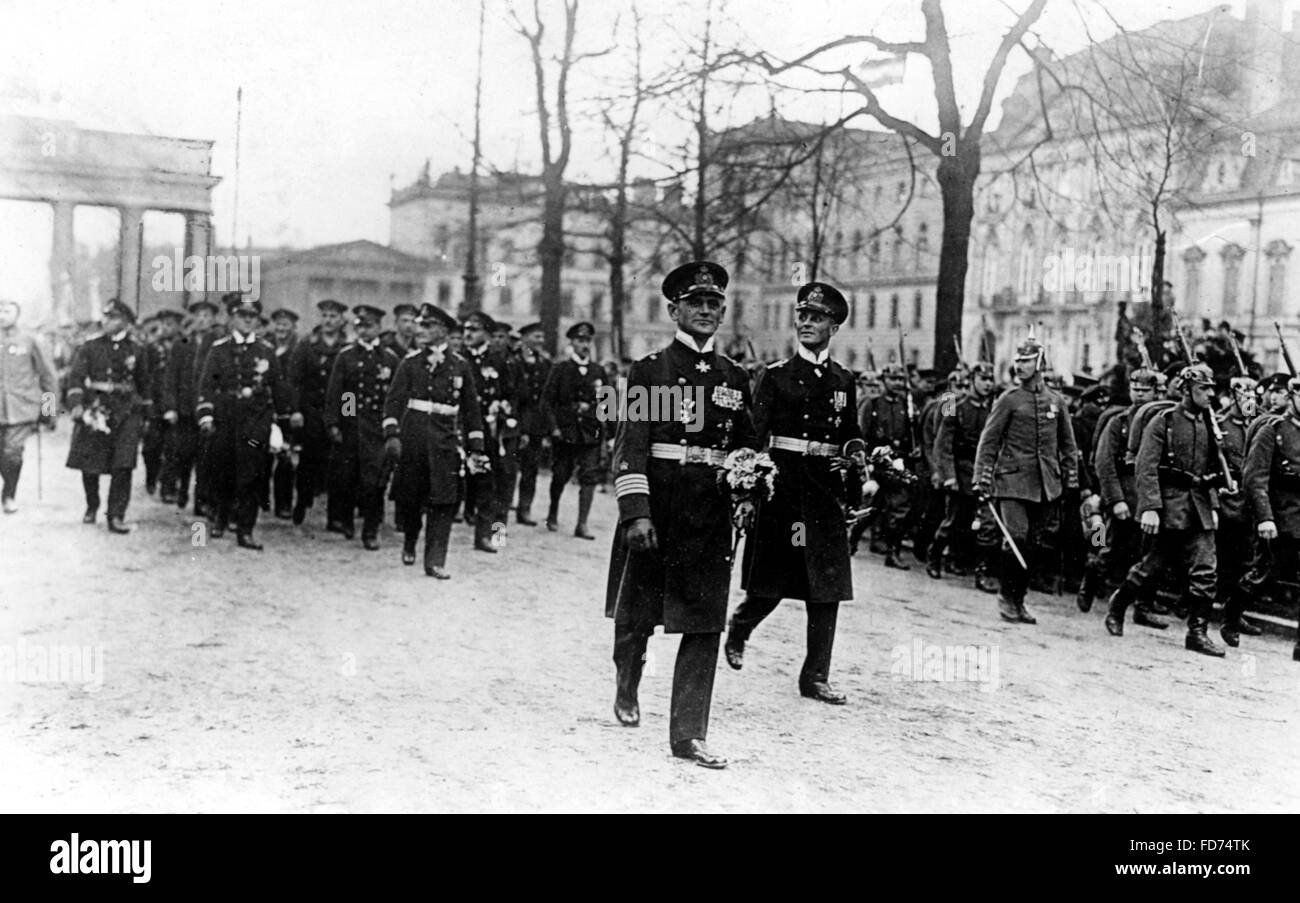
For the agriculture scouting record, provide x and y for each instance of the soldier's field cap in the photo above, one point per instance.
(499, 327)
(202, 304)
(1274, 382)
(699, 277)
(530, 328)
(329, 304)
(369, 313)
(480, 320)
(1029, 348)
(1097, 393)
(1197, 374)
(115, 308)
(430, 314)
(1143, 377)
(170, 313)
(283, 313)
(581, 329)
(824, 298)
(403, 310)
(238, 304)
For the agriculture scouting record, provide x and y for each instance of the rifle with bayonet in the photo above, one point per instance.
(1286, 352)
(1236, 354)
(912, 419)
(1230, 485)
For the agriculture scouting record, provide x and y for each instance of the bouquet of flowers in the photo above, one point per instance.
(751, 477)
(96, 419)
(886, 467)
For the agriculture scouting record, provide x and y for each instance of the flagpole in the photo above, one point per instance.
(234, 216)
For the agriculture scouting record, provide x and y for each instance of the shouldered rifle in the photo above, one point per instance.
(956, 344)
(1229, 484)
(1286, 352)
(1236, 353)
(907, 395)
(1144, 354)
(871, 360)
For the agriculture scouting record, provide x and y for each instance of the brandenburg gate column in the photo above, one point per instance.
(62, 262)
(198, 242)
(129, 253)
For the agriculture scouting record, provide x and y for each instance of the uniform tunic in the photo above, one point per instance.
(799, 400)
(683, 584)
(432, 442)
(354, 402)
(120, 361)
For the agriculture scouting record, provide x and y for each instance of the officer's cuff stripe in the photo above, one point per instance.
(389, 421)
(474, 434)
(631, 484)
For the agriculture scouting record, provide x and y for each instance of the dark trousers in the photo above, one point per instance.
(1234, 551)
(822, 617)
(12, 439)
(202, 470)
(505, 473)
(313, 467)
(568, 458)
(119, 492)
(282, 483)
(530, 458)
(932, 504)
(1276, 563)
(179, 459)
(151, 451)
(955, 533)
(1186, 554)
(236, 471)
(692, 694)
(356, 485)
(893, 503)
(1033, 525)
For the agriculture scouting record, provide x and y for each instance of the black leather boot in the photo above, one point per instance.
(984, 581)
(1199, 641)
(934, 563)
(626, 708)
(1119, 603)
(1083, 599)
(1143, 615)
(894, 559)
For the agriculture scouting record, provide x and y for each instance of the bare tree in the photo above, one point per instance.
(957, 146)
(556, 133)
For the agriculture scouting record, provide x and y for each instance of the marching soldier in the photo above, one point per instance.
(156, 429)
(495, 387)
(241, 391)
(885, 421)
(578, 436)
(354, 414)
(671, 561)
(309, 373)
(1271, 481)
(109, 397)
(284, 328)
(935, 497)
(805, 408)
(401, 340)
(1117, 486)
(28, 390)
(180, 378)
(535, 366)
(1025, 459)
(431, 418)
(506, 473)
(960, 426)
(1176, 472)
(1234, 540)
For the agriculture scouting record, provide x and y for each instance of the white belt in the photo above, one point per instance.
(431, 407)
(688, 454)
(805, 446)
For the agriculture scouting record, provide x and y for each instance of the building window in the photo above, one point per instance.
(535, 302)
(916, 310)
(856, 260)
(837, 250)
(1192, 259)
(597, 305)
(871, 311)
(853, 311)
(1025, 277)
(1232, 255)
(651, 309)
(853, 358)
(873, 252)
(893, 312)
(1278, 253)
(505, 298)
(922, 246)
(566, 302)
(444, 293)
(896, 255)
(570, 257)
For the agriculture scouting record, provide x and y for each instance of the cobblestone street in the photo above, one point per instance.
(319, 677)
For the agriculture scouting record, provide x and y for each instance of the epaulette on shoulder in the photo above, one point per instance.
(221, 341)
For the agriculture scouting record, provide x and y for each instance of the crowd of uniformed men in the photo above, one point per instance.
(1137, 490)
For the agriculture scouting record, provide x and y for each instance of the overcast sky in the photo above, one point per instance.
(341, 97)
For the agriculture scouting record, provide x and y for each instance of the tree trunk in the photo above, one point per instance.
(551, 251)
(617, 260)
(1160, 325)
(956, 175)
